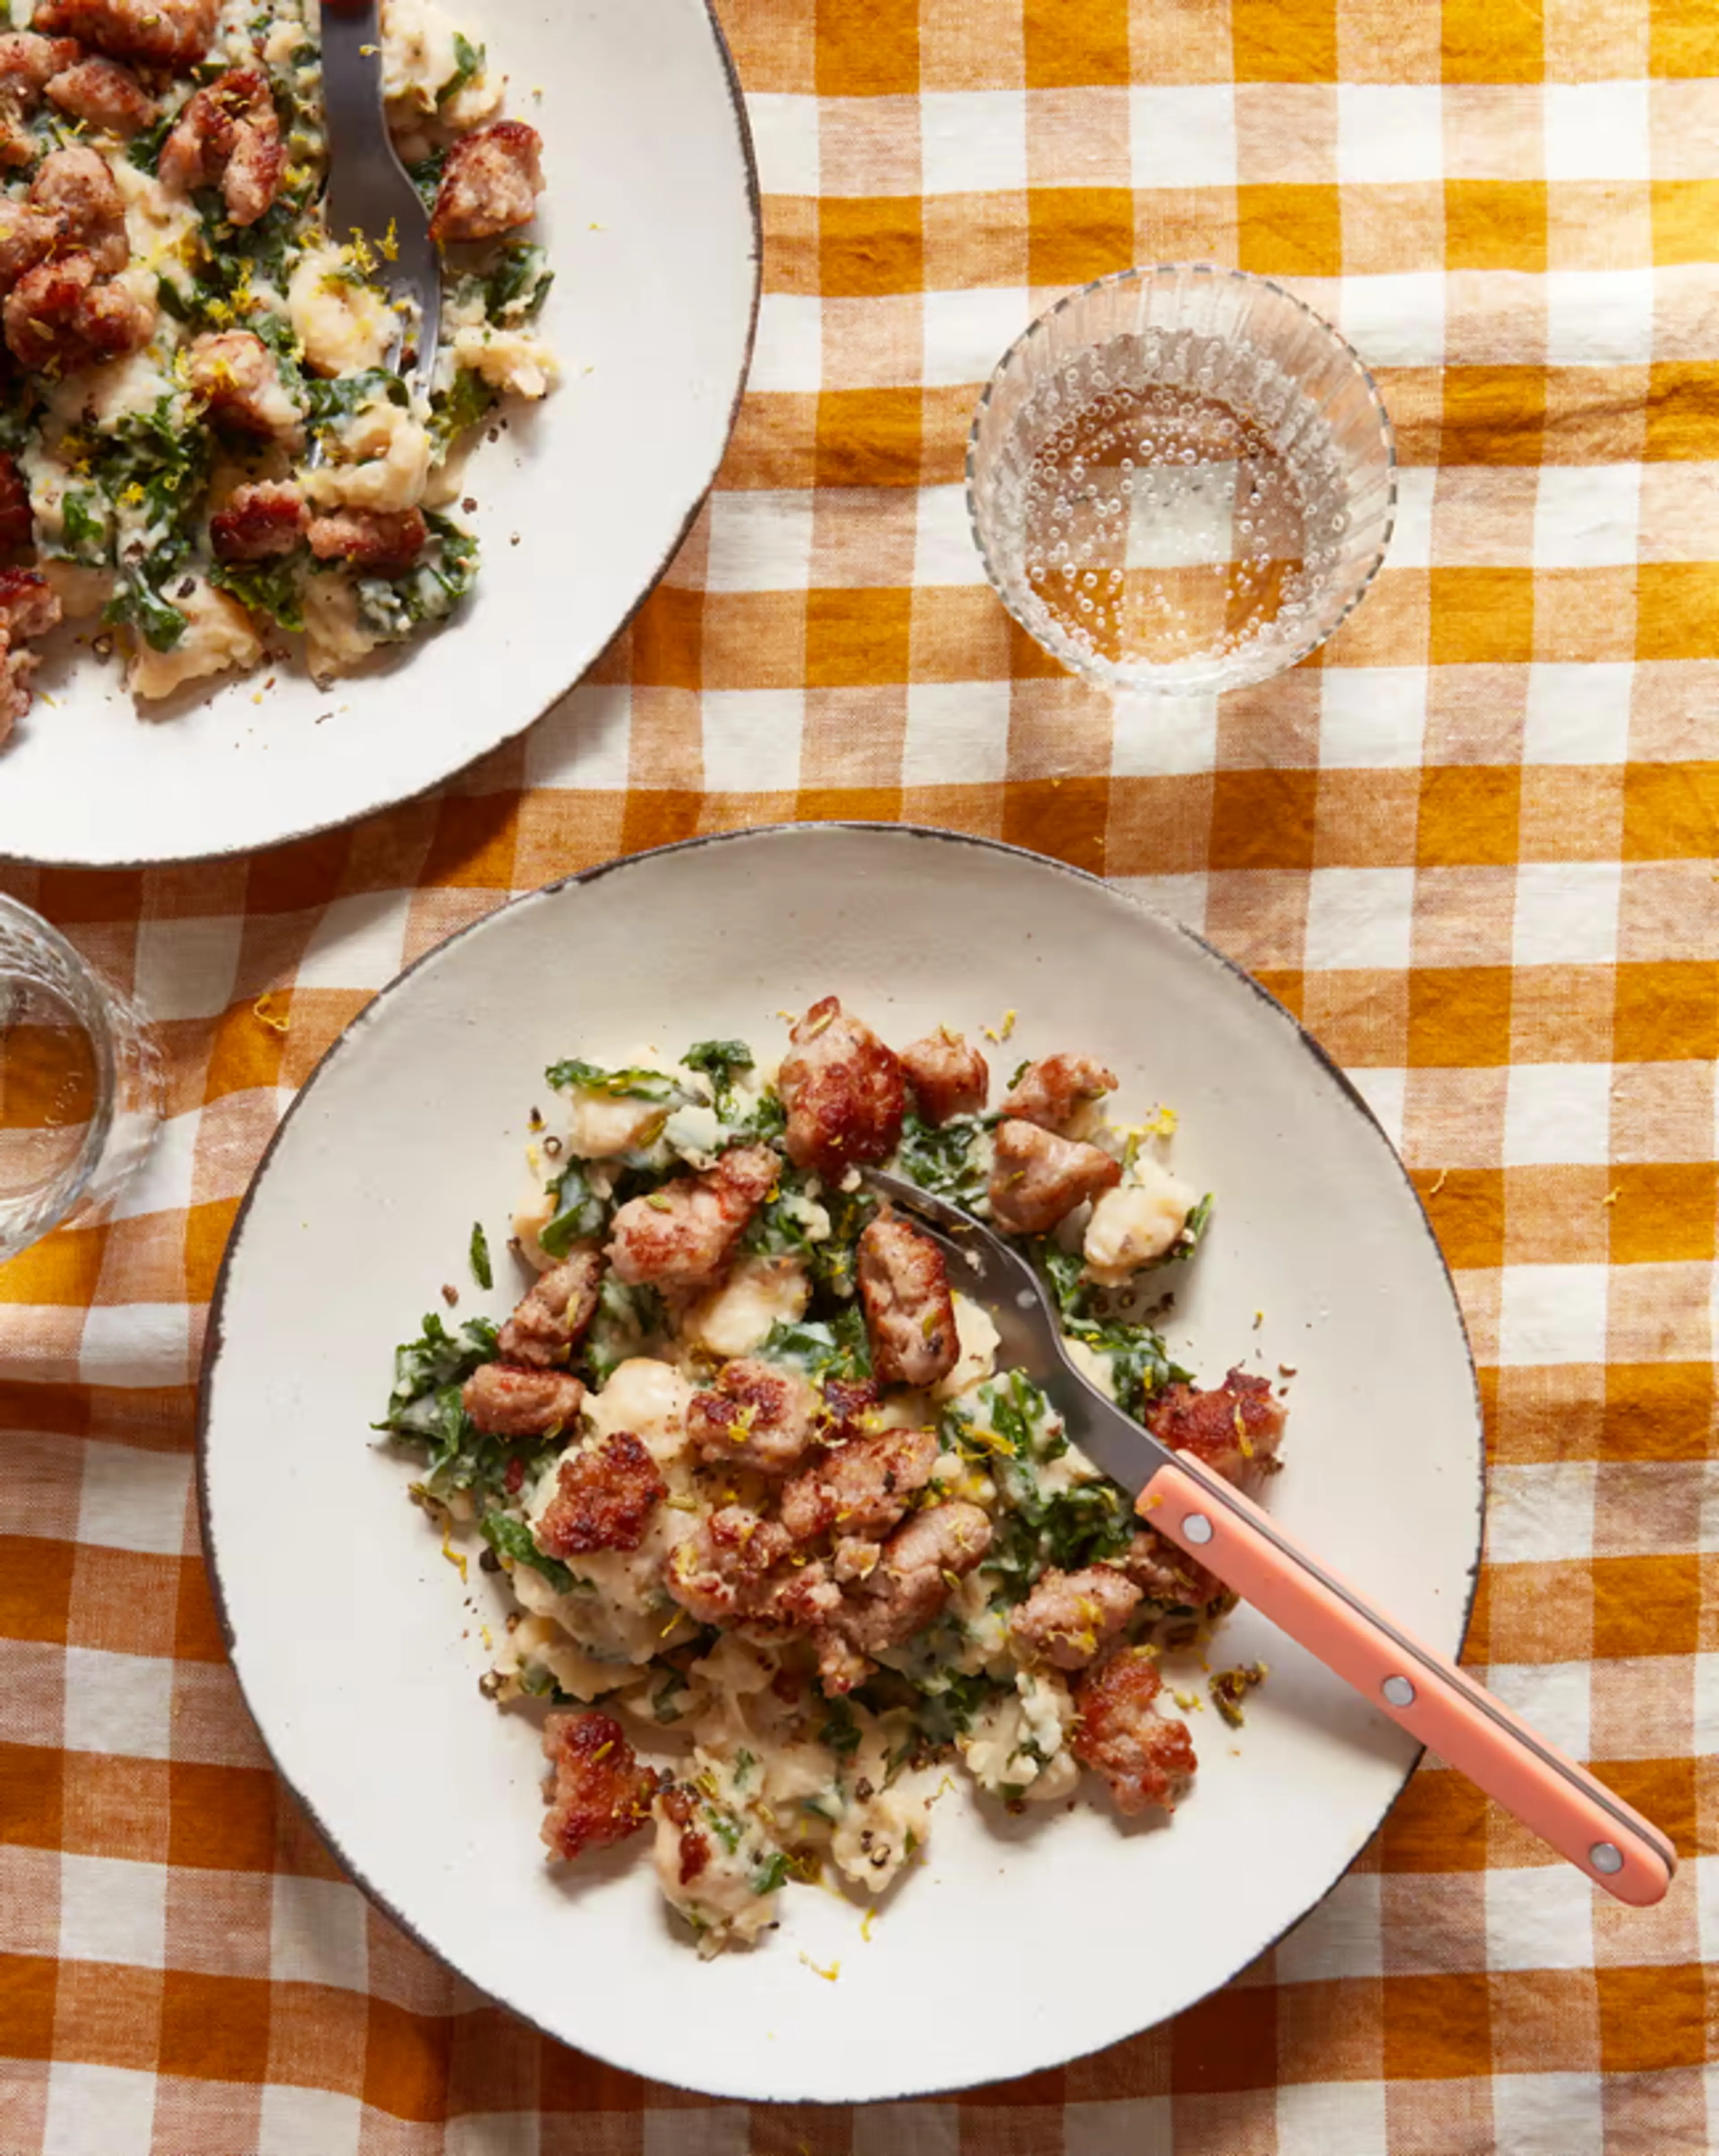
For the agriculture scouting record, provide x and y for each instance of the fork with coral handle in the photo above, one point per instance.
(1247, 1550)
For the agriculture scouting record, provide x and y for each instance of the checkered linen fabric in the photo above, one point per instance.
(1471, 844)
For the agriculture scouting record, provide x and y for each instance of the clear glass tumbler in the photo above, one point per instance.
(1181, 479)
(80, 1084)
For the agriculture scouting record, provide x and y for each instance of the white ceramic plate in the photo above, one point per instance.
(651, 216)
(1021, 1943)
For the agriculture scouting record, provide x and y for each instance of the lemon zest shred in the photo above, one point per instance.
(263, 1012)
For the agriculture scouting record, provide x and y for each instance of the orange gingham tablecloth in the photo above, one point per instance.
(1472, 844)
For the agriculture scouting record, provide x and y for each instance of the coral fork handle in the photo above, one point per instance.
(1433, 1699)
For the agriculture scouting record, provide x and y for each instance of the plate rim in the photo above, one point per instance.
(346, 1039)
(106, 864)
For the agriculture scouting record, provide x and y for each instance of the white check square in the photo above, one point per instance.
(946, 552)
(1396, 319)
(1548, 2114)
(1411, 535)
(1555, 1698)
(957, 733)
(111, 1910)
(752, 740)
(1373, 718)
(135, 1343)
(1566, 913)
(185, 969)
(1539, 1918)
(1578, 714)
(789, 354)
(1540, 1512)
(1599, 317)
(1164, 736)
(494, 2133)
(1341, 1938)
(1390, 132)
(1360, 918)
(134, 1499)
(163, 1183)
(785, 137)
(585, 741)
(1587, 516)
(309, 2122)
(360, 943)
(1597, 131)
(318, 1933)
(98, 2111)
(1182, 135)
(967, 333)
(1331, 2119)
(120, 1704)
(972, 141)
(760, 541)
(1552, 1314)
(1140, 2125)
(1386, 1092)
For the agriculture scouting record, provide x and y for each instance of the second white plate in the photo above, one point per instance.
(1019, 1943)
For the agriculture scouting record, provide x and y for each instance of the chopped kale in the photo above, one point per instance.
(579, 1212)
(276, 589)
(840, 1731)
(517, 286)
(950, 1160)
(823, 1347)
(465, 403)
(509, 1536)
(720, 1061)
(480, 1267)
(468, 65)
(614, 1085)
(770, 1873)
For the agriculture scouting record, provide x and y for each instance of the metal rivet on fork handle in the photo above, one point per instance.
(1606, 1856)
(1196, 1527)
(1398, 1691)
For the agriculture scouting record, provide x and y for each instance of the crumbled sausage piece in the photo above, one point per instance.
(847, 1402)
(234, 374)
(1069, 1616)
(843, 1093)
(600, 1793)
(30, 606)
(58, 317)
(260, 521)
(230, 133)
(77, 186)
(909, 1314)
(170, 34)
(30, 62)
(756, 1416)
(604, 1497)
(1234, 1430)
(921, 1561)
(26, 63)
(678, 1805)
(948, 1077)
(17, 524)
(684, 1234)
(385, 541)
(27, 236)
(103, 94)
(861, 1488)
(553, 1318)
(1147, 1760)
(721, 1571)
(1166, 1574)
(491, 183)
(505, 1401)
(1036, 1178)
(1052, 1093)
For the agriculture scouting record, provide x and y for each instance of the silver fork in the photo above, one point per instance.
(369, 193)
(1249, 1550)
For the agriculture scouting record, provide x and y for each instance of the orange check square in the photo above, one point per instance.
(1493, 415)
(1494, 225)
(1075, 234)
(1470, 815)
(1290, 231)
(1662, 1211)
(1683, 411)
(1271, 43)
(1481, 616)
(1485, 41)
(1458, 1016)
(1436, 2028)
(1652, 2019)
(1684, 213)
(871, 51)
(1076, 44)
(857, 638)
(870, 244)
(1665, 1011)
